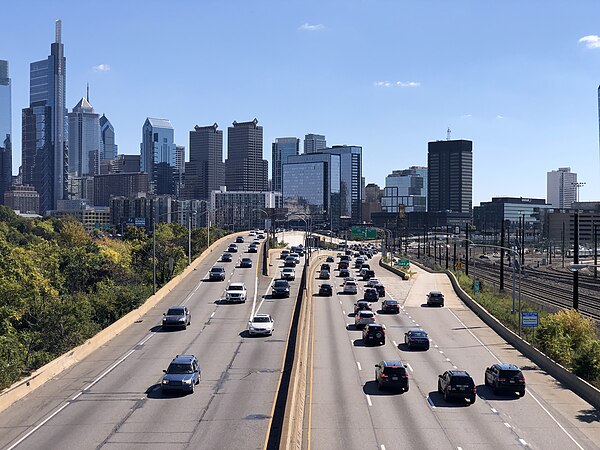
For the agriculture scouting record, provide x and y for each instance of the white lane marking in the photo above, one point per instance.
(76, 396)
(410, 367)
(394, 342)
(265, 296)
(213, 314)
(41, 424)
(448, 359)
(455, 367)
(343, 312)
(430, 402)
(522, 441)
(146, 339)
(107, 371)
(358, 364)
(417, 325)
(382, 447)
(369, 400)
(494, 411)
(532, 396)
(435, 346)
(458, 448)
(340, 302)
(441, 352)
(507, 425)
(255, 294)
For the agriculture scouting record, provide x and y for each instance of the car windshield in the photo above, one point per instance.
(236, 288)
(280, 283)
(175, 312)
(366, 314)
(246, 260)
(261, 319)
(180, 368)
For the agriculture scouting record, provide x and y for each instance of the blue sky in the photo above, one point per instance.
(515, 77)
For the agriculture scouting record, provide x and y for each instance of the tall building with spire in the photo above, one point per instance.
(84, 140)
(45, 151)
(5, 131)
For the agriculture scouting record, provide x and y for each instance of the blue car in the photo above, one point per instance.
(182, 375)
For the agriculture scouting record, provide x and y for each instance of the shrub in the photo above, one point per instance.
(586, 361)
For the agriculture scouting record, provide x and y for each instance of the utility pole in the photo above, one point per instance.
(576, 261)
(467, 250)
(502, 256)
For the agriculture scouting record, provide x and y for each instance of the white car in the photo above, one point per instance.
(373, 282)
(261, 324)
(288, 273)
(236, 293)
(350, 287)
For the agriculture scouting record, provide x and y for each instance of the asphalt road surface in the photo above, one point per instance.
(348, 411)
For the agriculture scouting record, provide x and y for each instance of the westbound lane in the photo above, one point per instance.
(125, 408)
(421, 418)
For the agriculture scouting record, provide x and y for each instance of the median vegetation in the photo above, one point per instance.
(59, 286)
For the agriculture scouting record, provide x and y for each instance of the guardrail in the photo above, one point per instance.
(579, 386)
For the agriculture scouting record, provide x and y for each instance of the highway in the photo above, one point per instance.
(346, 409)
(112, 399)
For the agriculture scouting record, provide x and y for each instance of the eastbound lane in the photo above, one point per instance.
(346, 403)
(125, 408)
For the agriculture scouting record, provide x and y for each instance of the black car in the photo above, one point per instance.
(374, 333)
(245, 263)
(416, 339)
(390, 306)
(344, 273)
(252, 249)
(380, 289)
(239, 240)
(217, 273)
(457, 384)
(435, 298)
(326, 267)
(325, 290)
(226, 257)
(505, 377)
(329, 259)
(290, 261)
(362, 305)
(391, 375)
(232, 248)
(281, 288)
(177, 317)
(371, 295)
(368, 274)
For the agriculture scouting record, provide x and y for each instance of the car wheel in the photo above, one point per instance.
(406, 389)
(472, 399)
(192, 390)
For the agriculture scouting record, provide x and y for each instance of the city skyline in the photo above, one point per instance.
(529, 103)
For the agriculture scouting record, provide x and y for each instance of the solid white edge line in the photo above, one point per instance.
(522, 441)
(410, 367)
(532, 396)
(382, 447)
(359, 366)
(507, 425)
(369, 400)
(39, 425)
(107, 371)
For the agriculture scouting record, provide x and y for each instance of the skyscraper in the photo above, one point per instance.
(281, 149)
(561, 187)
(5, 131)
(406, 187)
(45, 152)
(205, 171)
(245, 168)
(158, 155)
(108, 148)
(84, 140)
(450, 176)
(350, 180)
(314, 142)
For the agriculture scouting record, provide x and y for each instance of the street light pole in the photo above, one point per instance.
(154, 256)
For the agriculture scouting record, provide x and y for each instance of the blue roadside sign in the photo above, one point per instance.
(529, 319)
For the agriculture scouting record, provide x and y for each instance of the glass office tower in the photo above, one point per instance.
(108, 148)
(84, 140)
(158, 155)
(282, 148)
(5, 131)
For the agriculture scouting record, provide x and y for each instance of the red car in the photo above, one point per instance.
(390, 306)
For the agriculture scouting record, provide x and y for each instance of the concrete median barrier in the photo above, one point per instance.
(63, 362)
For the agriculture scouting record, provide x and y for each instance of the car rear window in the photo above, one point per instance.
(394, 370)
(261, 319)
(461, 381)
(510, 373)
(175, 312)
(419, 334)
(436, 295)
(366, 314)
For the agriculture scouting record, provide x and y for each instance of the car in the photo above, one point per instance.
(239, 240)
(435, 298)
(246, 263)
(363, 318)
(252, 248)
(350, 287)
(284, 254)
(182, 374)
(391, 374)
(232, 248)
(325, 290)
(329, 259)
(288, 273)
(226, 257)
(367, 274)
(390, 306)
(252, 233)
(362, 305)
(372, 282)
(380, 289)
(176, 317)
(281, 288)
(256, 242)
(358, 263)
(505, 377)
(349, 278)
(326, 267)
(216, 273)
(236, 293)
(290, 261)
(363, 268)
(296, 256)
(416, 339)
(260, 236)
(371, 295)
(457, 384)
(261, 324)
(374, 333)
(344, 273)
(324, 274)
(343, 265)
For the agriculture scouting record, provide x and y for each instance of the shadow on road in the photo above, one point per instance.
(371, 388)
(405, 348)
(487, 393)
(436, 399)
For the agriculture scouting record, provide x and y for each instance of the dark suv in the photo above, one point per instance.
(182, 375)
(325, 290)
(281, 288)
(505, 377)
(374, 333)
(217, 273)
(457, 384)
(435, 298)
(391, 374)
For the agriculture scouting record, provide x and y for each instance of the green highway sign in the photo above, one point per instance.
(403, 263)
(363, 233)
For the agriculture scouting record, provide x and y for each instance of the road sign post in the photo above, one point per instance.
(529, 319)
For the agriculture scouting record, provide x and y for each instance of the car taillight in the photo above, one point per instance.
(383, 375)
(405, 375)
(474, 389)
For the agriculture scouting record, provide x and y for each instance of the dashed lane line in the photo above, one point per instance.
(369, 400)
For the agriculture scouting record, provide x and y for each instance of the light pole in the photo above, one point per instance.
(575, 268)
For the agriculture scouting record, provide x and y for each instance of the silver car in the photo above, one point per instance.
(177, 316)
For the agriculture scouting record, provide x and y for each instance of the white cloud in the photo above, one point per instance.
(101, 68)
(591, 41)
(466, 116)
(309, 27)
(402, 84)
(408, 84)
(498, 116)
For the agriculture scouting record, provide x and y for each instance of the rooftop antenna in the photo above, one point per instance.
(87, 92)
(58, 31)
(448, 131)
